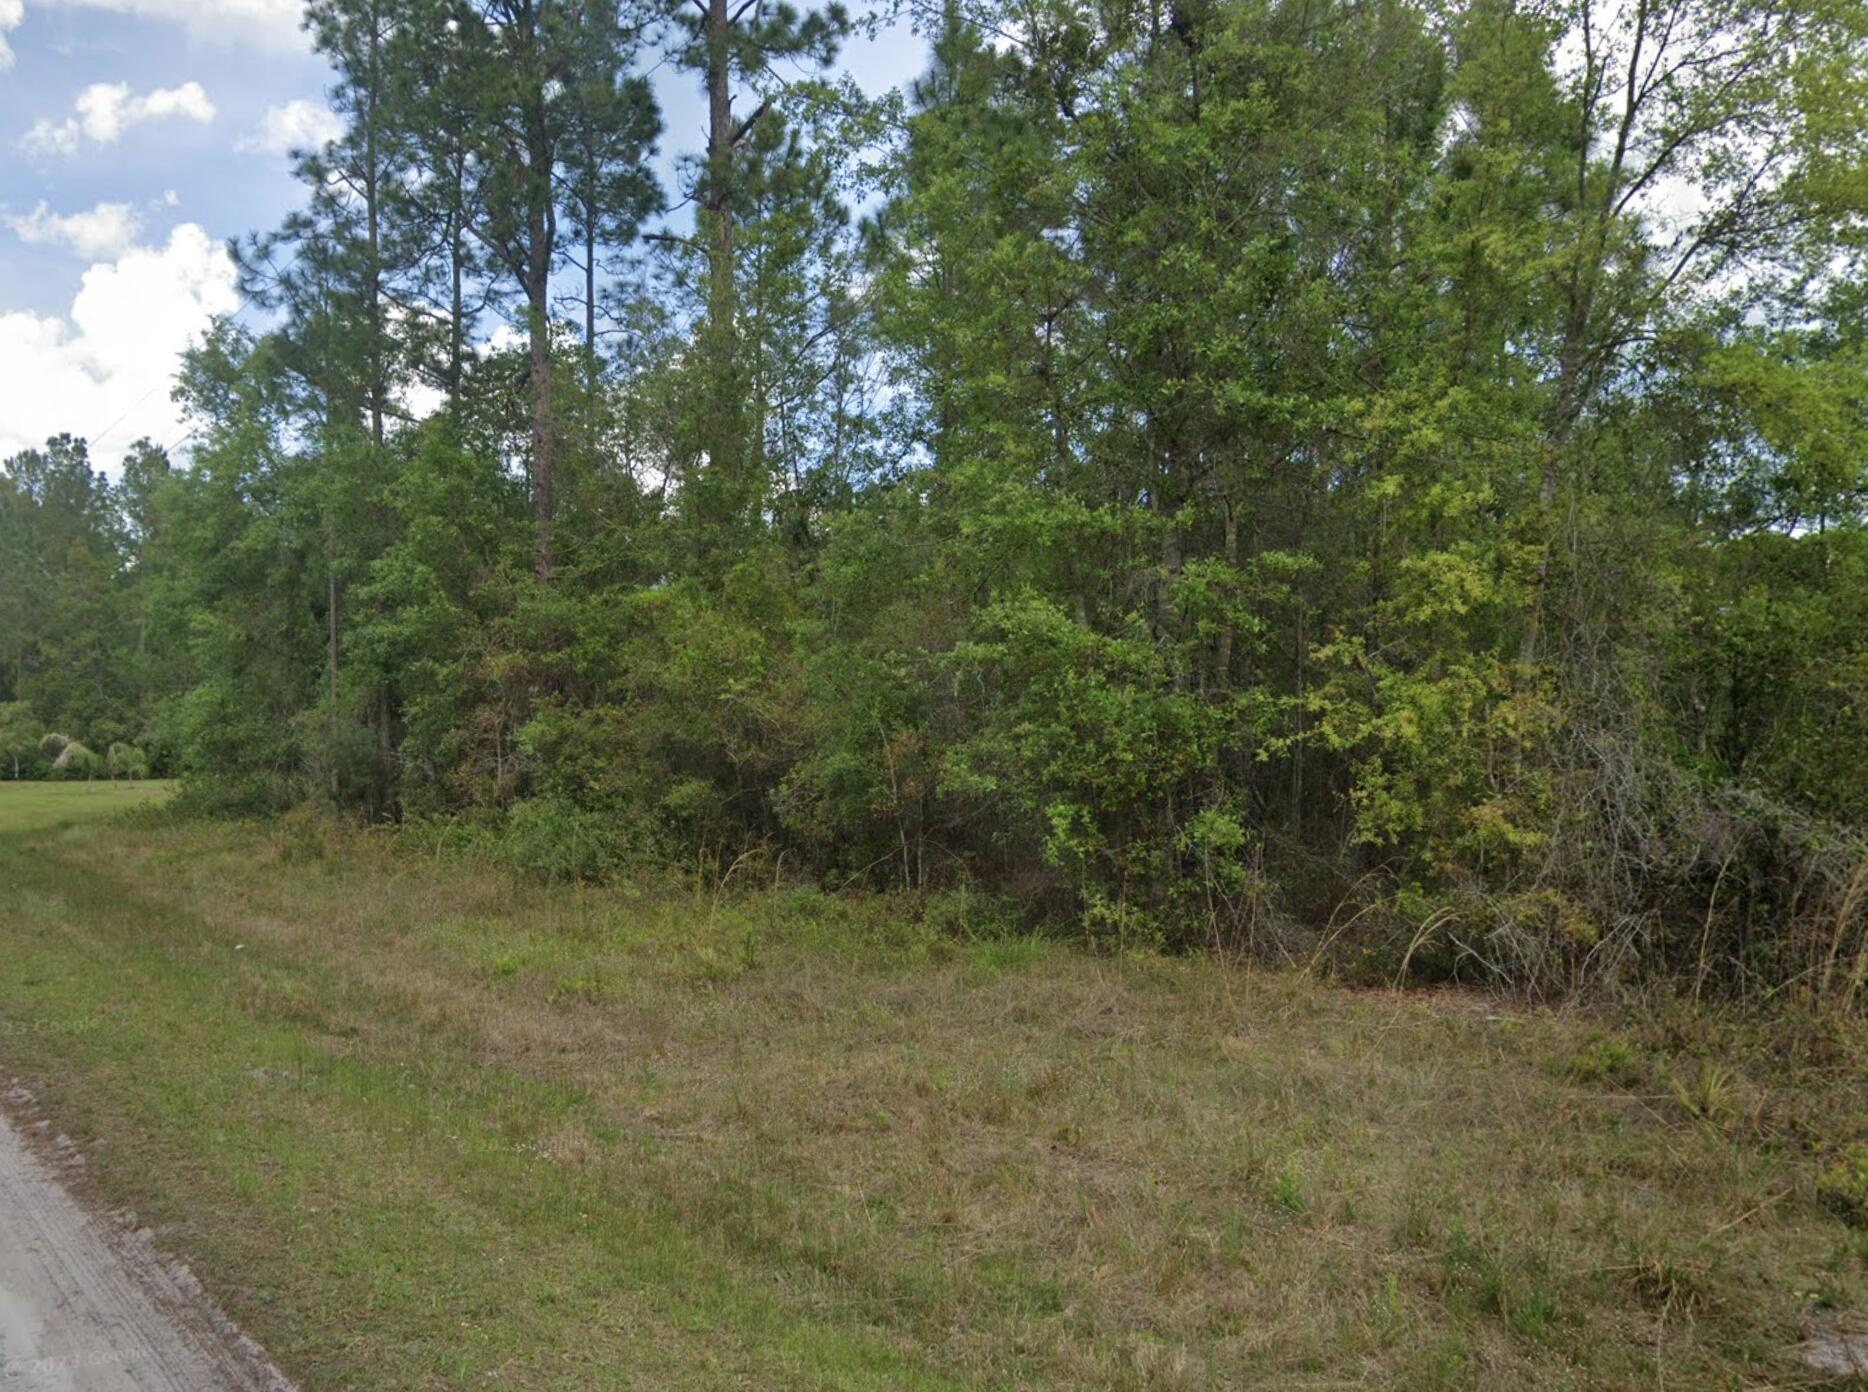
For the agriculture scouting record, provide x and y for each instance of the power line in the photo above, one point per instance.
(97, 439)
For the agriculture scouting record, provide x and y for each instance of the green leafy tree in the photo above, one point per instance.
(1199, 471)
(20, 733)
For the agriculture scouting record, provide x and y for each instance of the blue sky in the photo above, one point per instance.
(136, 137)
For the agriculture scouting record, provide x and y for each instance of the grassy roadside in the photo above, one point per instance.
(419, 1127)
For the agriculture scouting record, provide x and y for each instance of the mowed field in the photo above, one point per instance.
(29, 807)
(417, 1125)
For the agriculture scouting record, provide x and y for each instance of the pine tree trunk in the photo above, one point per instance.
(331, 606)
(720, 164)
(372, 176)
(544, 506)
(541, 232)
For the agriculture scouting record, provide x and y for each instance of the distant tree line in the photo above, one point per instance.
(1356, 476)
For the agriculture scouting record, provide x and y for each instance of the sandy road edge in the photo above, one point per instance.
(173, 1309)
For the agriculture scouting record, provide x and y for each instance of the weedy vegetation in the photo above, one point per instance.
(422, 1124)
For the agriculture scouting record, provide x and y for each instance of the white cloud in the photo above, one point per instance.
(105, 231)
(268, 23)
(298, 125)
(115, 354)
(504, 338)
(12, 14)
(107, 109)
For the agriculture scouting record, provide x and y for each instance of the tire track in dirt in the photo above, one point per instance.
(87, 1306)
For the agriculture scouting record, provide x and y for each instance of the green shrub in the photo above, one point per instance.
(969, 913)
(554, 840)
(305, 835)
(1843, 1185)
(1606, 1059)
(127, 761)
(70, 759)
(1712, 1094)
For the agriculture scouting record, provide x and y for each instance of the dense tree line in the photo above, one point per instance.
(1207, 469)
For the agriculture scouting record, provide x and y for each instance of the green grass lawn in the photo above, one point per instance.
(420, 1127)
(37, 806)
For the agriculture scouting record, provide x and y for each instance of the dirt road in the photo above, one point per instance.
(85, 1307)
